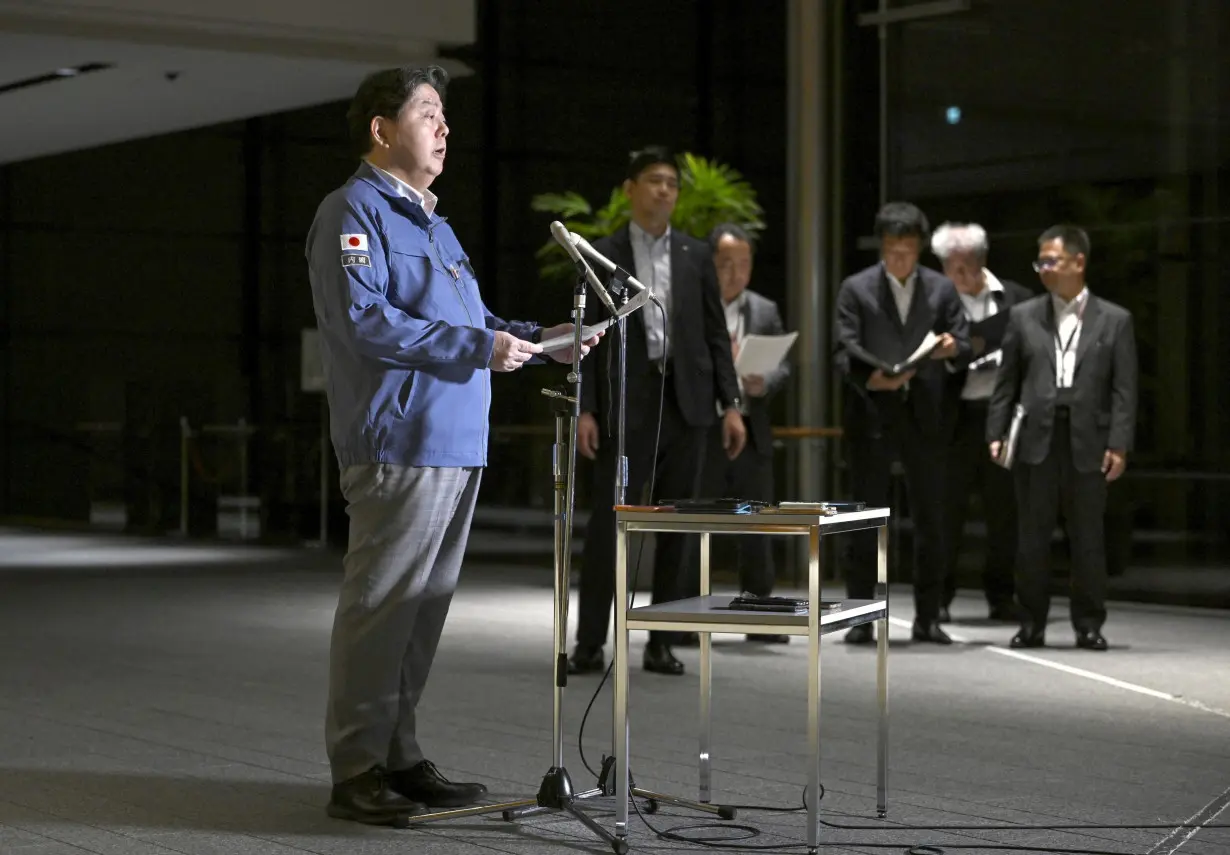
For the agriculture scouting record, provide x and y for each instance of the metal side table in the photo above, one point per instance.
(707, 614)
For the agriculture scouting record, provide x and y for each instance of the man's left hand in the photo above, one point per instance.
(946, 349)
(565, 355)
(734, 434)
(1114, 461)
(753, 384)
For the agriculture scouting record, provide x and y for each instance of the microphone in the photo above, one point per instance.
(565, 239)
(583, 245)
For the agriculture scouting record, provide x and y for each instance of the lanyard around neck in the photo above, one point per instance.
(1080, 316)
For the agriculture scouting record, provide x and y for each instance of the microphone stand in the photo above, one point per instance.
(556, 791)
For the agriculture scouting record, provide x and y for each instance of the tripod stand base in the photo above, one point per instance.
(556, 794)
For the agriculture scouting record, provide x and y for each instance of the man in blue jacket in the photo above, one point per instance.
(408, 349)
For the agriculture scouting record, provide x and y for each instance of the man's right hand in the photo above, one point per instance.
(995, 448)
(587, 435)
(881, 382)
(510, 352)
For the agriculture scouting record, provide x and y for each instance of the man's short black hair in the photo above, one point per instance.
(1075, 239)
(729, 230)
(650, 155)
(384, 93)
(902, 219)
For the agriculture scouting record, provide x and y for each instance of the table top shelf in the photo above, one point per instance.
(763, 522)
(712, 611)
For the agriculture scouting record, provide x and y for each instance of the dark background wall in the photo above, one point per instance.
(164, 278)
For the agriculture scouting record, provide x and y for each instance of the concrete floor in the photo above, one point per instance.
(160, 697)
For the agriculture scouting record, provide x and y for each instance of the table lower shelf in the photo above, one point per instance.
(710, 614)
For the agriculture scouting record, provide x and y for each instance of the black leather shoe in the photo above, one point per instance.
(660, 660)
(929, 631)
(585, 660)
(861, 634)
(1004, 613)
(769, 639)
(943, 616)
(424, 783)
(1028, 637)
(1090, 639)
(371, 799)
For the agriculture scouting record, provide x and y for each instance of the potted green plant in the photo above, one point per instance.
(710, 193)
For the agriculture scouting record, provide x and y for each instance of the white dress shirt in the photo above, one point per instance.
(1068, 322)
(426, 199)
(978, 307)
(652, 256)
(903, 292)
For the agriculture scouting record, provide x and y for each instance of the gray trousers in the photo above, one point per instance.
(408, 532)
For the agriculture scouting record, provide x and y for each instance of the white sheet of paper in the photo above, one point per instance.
(761, 354)
(930, 340)
(562, 341)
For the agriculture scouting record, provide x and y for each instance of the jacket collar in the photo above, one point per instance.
(398, 193)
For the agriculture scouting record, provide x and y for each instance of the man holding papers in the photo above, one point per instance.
(679, 367)
(962, 249)
(758, 346)
(897, 325)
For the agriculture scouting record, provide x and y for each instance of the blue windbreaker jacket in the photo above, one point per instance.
(404, 334)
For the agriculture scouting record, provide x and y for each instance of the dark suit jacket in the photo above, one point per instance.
(867, 317)
(761, 317)
(1104, 382)
(1012, 295)
(702, 370)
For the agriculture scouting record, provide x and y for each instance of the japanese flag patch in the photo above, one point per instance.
(354, 243)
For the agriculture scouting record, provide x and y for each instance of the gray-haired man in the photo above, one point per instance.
(962, 248)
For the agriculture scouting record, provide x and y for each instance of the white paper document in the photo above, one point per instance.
(930, 340)
(761, 354)
(562, 341)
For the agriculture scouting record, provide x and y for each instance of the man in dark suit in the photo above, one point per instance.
(679, 367)
(883, 315)
(1070, 361)
(962, 249)
(750, 475)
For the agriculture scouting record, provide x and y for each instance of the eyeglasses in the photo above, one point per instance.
(1047, 262)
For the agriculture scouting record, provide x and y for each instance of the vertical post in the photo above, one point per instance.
(621, 680)
(813, 684)
(882, 32)
(807, 182)
(882, 671)
(706, 682)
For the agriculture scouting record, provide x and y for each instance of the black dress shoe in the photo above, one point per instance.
(929, 631)
(660, 660)
(423, 782)
(1028, 637)
(943, 616)
(769, 639)
(1090, 639)
(861, 634)
(371, 799)
(1004, 613)
(585, 660)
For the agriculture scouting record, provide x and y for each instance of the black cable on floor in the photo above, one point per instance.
(750, 831)
(653, 477)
